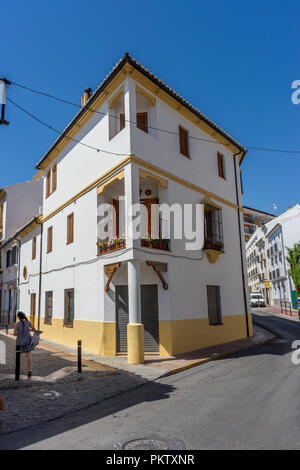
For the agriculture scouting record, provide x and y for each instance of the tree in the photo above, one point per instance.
(294, 261)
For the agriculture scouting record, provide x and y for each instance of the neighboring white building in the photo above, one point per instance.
(149, 295)
(266, 253)
(19, 203)
(253, 219)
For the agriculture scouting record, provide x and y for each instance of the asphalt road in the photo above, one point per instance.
(249, 400)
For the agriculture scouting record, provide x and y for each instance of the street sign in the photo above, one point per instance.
(267, 284)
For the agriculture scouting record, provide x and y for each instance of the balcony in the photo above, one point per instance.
(158, 244)
(109, 246)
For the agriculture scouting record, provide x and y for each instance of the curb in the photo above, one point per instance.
(214, 357)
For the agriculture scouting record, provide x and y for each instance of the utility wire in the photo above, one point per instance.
(59, 132)
(48, 95)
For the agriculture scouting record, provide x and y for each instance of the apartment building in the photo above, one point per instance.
(253, 219)
(19, 204)
(137, 141)
(266, 251)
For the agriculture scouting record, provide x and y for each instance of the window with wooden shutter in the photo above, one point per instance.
(116, 219)
(142, 121)
(50, 239)
(48, 307)
(34, 248)
(221, 165)
(48, 183)
(8, 258)
(54, 177)
(183, 141)
(1, 218)
(122, 121)
(69, 307)
(213, 228)
(214, 305)
(70, 228)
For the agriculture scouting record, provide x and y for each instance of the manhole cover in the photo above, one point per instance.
(51, 395)
(152, 443)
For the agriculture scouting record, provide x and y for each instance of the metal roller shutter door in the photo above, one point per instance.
(149, 302)
(122, 317)
(149, 307)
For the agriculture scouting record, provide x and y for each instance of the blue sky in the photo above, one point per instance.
(235, 61)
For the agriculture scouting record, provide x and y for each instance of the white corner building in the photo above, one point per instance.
(136, 138)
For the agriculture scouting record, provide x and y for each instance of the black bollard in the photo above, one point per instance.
(6, 326)
(18, 358)
(79, 365)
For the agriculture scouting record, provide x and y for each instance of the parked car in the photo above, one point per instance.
(257, 300)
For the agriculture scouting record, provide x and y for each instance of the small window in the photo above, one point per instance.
(48, 183)
(69, 307)
(214, 305)
(48, 307)
(142, 121)
(221, 165)
(54, 177)
(183, 141)
(33, 248)
(213, 228)
(14, 256)
(70, 229)
(8, 258)
(122, 121)
(50, 240)
(1, 217)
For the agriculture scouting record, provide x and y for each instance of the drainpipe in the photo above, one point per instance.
(241, 245)
(284, 261)
(19, 269)
(40, 277)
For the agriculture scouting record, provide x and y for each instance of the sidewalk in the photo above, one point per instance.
(38, 400)
(156, 366)
(276, 310)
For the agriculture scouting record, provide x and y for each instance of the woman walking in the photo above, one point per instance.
(22, 332)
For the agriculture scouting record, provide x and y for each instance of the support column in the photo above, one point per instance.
(135, 329)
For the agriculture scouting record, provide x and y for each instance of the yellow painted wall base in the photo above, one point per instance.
(135, 340)
(175, 337)
(96, 337)
(181, 336)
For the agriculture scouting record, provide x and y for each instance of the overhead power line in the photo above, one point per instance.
(49, 95)
(59, 132)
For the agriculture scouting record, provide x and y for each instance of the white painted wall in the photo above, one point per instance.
(77, 265)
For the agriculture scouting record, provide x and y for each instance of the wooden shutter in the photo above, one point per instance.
(69, 306)
(8, 258)
(142, 121)
(34, 248)
(148, 203)
(70, 228)
(48, 183)
(54, 177)
(116, 222)
(214, 306)
(122, 121)
(48, 307)
(221, 165)
(183, 141)
(49, 239)
(1, 217)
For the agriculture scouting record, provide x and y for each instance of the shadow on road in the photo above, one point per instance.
(149, 392)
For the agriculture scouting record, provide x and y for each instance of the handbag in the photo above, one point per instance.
(35, 339)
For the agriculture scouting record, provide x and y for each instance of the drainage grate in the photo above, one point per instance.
(152, 443)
